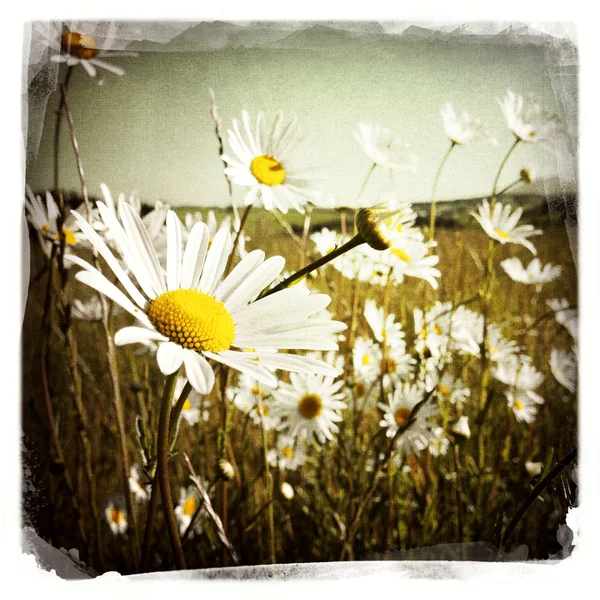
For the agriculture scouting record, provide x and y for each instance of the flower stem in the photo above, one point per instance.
(237, 238)
(502, 164)
(364, 185)
(162, 448)
(357, 240)
(435, 184)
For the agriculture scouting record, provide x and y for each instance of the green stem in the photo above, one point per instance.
(237, 238)
(162, 445)
(364, 185)
(495, 188)
(357, 240)
(435, 184)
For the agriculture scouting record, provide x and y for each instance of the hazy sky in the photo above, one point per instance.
(151, 130)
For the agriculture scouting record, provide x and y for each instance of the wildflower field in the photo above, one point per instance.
(297, 377)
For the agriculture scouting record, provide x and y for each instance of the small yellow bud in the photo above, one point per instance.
(226, 469)
(377, 224)
(527, 175)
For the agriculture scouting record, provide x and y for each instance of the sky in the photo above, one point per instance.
(150, 131)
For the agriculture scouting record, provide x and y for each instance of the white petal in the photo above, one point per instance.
(107, 66)
(169, 357)
(134, 335)
(194, 255)
(198, 371)
(215, 262)
(91, 71)
(173, 250)
(253, 368)
(244, 269)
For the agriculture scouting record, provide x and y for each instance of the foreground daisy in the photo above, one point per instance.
(80, 49)
(385, 148)
(501, 225)
(526, 118)
(461, 130)
(116, 519)
(533, 274)
(308, 406)
(269, 164)
(194, 313)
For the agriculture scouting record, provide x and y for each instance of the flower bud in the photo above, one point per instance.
(287, 491)
(533, 468)
(226, 469)
(378, 224)
(461, 427)
(527, 175)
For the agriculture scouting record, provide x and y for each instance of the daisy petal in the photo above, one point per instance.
(198, 371)
(134, 335)
(169, 357)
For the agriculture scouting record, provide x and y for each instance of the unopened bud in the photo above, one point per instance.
(461, 427)
(527, 175)
(287, 491)
(226, 469)
(377, 224)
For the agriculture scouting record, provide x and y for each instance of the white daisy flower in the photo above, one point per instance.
(523, 378)
(191, 407)
(43, 217)
(461, 427)
(116, 519)
(498, 346)
(87, 310)
(138, 484)
(501, 225)
(439, 442)
(194, 314)
(533, 274)
(386, 331)
(432, 329)
(189, 500)
(523, 407)
(449, 388)
(269, 164)
(246, 398)
(461, 130)
(366, 358)
(466, 331)
(309, 406)
(397, 414)
(290, 452)
(563, 365)
(526, 119)
(385, 148)
(565, 315)
(77, 48)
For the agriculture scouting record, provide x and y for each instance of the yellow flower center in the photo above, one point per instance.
(69, 235)
(494, 350)
(501, 234)
(262, 410)
(287, 452)
(187, 405)
(310, 406)
(437, 329)
(189, 506)
(401, 416)
(267, 170)
(193, 320)
(443, 390)
(518, 405)
(398, 253)
(115, 515)
(366, 360)
(79, 45)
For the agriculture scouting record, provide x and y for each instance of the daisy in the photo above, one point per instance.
(499, 348)
(191, 407)
(138, 484)
(461, 427)
(290, 452)
(269, 164)
(432, 329)
(461, 130)
(563, 365)
(43, 217)
(526, 119)
(449, 388)
(246, 398)
(501, 225)
(386, 331)
(77, 48)
(116, 519)
(195, 314)
(533, 274)
(466, 331)
(565, 315)
(523, 407)
(309, 406)
(366, 357)
(385, 148)
(397, 414)
(439, 443)
(189, 500)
